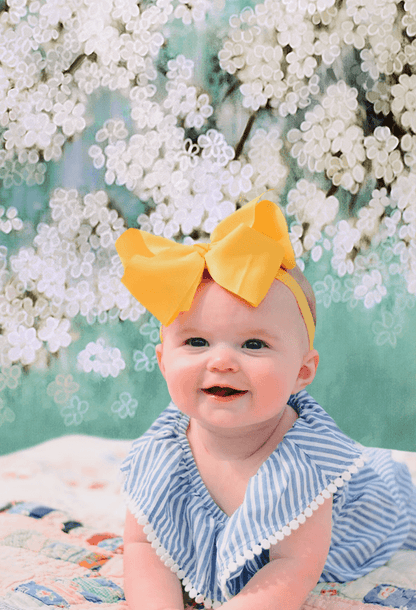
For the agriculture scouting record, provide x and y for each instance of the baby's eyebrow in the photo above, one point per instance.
(186, 330)
(254, 332)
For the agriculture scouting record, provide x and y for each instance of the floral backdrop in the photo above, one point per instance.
(168, 115)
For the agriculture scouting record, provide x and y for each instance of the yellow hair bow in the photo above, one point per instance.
(248, 250)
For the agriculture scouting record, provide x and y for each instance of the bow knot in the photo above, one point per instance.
(202, 248)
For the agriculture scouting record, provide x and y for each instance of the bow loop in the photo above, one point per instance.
(266, 218)
(245, 262)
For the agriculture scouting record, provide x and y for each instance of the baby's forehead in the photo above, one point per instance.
(279, 300)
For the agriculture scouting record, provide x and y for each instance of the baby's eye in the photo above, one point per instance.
(255, 344)
(196, 342)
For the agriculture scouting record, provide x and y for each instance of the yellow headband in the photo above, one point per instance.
(248, 250)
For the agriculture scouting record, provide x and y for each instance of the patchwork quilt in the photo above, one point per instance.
(61, 525)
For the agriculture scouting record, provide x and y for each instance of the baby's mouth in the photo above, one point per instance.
(223, 391)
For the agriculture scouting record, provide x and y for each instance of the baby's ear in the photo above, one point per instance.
(159, 354)
(307, 370)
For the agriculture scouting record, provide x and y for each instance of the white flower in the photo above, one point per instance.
(328, 46)
(391, 223)
(388, 52)
(341, 101)
(125, 10)
(200, 110)
(11, 222)
(309, 204)
(264, 154)
(25, 345)
(301, 63)
(14, 136)
(369, 64)
(371, 289)
(54, 150)
(88, 76)
(310, 143)
(55, 332)
(69, 116)
(308, 6)
(180, 69)
(344, 240)
(312, 208)
(292, 28)
(112, 130)
(380, 97)
(403, 190)
(236, 177)
(191, 10)
(39, 128)
(404, 101)
(381, 149)
(214, 145)
(146, 114)
(101, 359)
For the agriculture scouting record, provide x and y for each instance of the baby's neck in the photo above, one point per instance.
(243, 445)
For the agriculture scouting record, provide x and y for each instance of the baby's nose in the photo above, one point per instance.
(223, 359)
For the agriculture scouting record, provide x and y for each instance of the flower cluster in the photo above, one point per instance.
(313, 210)
(192, 11)
(184, 100)
(381, 148)
(274, 51)
(53, 56)
(373, 24)
(371, 289)
(71, 269)
(192, 184)
(12, 222)
(101, 359)
(402, 196)
(330, 140)
(403, 105)
(264, 153)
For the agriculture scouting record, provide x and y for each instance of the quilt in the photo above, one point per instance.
(61, 526)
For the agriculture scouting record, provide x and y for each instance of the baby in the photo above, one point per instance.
(244, 490)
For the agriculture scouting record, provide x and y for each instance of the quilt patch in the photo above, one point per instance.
(43, 594)
(92, 550)
(392, 597)
(99, 590)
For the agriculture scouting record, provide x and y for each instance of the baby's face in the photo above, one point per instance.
(231, 365)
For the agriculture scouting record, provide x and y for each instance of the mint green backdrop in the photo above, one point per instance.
(166, 116)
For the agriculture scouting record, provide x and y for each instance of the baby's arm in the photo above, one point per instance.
(148, 583)
(295, 566)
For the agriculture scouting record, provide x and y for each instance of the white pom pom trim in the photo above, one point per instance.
(248, 554)
(286, 530)
(169, 561)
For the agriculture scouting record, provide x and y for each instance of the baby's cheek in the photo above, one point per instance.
(270, 381)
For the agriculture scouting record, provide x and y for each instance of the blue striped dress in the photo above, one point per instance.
(214, 555)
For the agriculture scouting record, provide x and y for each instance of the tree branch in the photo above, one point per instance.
(333, 189)
(78, 61)
(240, 145)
